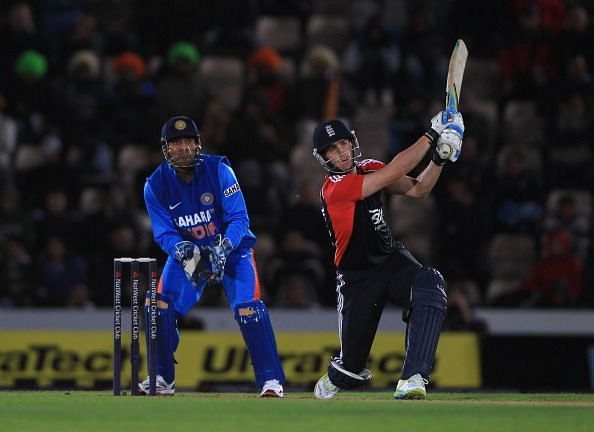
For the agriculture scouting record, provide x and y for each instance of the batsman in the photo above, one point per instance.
(372, 268)
(199, 219)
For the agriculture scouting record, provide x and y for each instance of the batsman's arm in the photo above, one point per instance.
(418, 187)
(164, 231)
(397, 168)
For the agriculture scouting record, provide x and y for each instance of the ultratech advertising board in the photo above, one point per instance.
(48, 359)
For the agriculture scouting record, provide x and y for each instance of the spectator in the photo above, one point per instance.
(179, 87)
(527, 60)
(424, 61)
(17, 274)
(56, 218)
(555, 280)
(133, 96)
(60, 272)
(304, 216)
(463, 233)
(565, 215)
(296, 292)
(372, 62)
(461, 315)
(84, 36)
(571, 154)
(320, 92)
(8, 144)
(28, 97)
(18, 33)
(300, 259)
(576, 37)
(13, 220)
(518, 193)
(264, 67)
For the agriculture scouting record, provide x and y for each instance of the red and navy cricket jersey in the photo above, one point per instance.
(358, 232)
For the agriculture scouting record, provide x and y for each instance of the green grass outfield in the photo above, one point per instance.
(350, 412)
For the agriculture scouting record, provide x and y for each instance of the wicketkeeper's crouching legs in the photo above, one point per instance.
(257, 332)
(167, 342)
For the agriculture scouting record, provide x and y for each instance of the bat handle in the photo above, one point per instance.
(451, 104)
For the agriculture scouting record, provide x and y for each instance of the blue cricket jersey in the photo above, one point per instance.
(211, 203)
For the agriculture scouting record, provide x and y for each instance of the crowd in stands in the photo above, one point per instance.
(86, 84)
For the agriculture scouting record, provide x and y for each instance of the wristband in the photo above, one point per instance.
(432, 135)
(437, 160)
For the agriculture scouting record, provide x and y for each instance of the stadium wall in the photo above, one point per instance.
(524, 350)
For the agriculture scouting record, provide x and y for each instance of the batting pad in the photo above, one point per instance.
(428, 309)
(167, 335)
(258, 335)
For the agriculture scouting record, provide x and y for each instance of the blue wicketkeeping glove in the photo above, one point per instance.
(184, 250)
(188, 254)
(215, 256)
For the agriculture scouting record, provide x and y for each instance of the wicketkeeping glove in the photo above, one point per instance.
(215, 256)
(188, 254)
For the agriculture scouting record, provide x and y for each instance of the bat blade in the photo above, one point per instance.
(455, 75)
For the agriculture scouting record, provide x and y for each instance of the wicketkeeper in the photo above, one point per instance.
(373, 268)
(199, 219)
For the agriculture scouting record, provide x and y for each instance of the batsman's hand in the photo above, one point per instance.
(441, 121)
(448, 146)
(215, 255)
(445, 119)
(188, 254)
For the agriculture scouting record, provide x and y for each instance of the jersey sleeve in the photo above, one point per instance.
(343, 188)
(235, 216)
(164, 231)
(370, 165)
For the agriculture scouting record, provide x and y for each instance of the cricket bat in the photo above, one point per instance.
(455, 75)
(453, 89)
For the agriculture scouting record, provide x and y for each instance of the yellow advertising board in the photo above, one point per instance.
(85, 359)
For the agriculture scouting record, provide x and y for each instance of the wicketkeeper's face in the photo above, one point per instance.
(182, 151)
(340, 154)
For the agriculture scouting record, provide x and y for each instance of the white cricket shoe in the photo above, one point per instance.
(272, 389)
(324, 388)
(163, 389)
(412, 388)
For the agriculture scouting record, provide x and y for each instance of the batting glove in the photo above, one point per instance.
(441, 121)
(448, 146)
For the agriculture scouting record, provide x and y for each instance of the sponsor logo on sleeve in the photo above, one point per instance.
(231, 190)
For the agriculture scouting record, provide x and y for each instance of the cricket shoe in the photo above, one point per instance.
(412, 388)
(324, 388)
(272, 389)
(163, 389)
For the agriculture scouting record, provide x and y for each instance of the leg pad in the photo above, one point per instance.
(256, 329)
(167, 335)
(427, 312)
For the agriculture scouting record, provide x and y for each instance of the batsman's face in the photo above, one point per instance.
(182, 151)
(340, 154)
